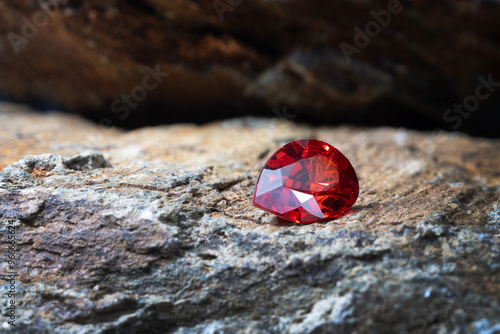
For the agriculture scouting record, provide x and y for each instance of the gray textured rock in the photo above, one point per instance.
(167, 241)
(86, 161)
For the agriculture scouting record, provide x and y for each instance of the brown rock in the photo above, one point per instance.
(160, 235)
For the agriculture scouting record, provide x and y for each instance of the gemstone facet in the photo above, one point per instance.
(307, 181)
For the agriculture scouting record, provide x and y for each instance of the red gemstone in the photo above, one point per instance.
(307, 181)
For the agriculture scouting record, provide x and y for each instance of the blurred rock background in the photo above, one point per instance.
(231, 58)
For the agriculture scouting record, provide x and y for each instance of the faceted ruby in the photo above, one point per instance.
(307, 181)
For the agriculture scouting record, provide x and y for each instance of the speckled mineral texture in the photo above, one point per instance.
(152, 231)
(257, 55)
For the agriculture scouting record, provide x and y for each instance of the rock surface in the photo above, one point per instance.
(152, 231)
(264, 54)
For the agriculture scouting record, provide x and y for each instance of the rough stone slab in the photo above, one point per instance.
(153, 231)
